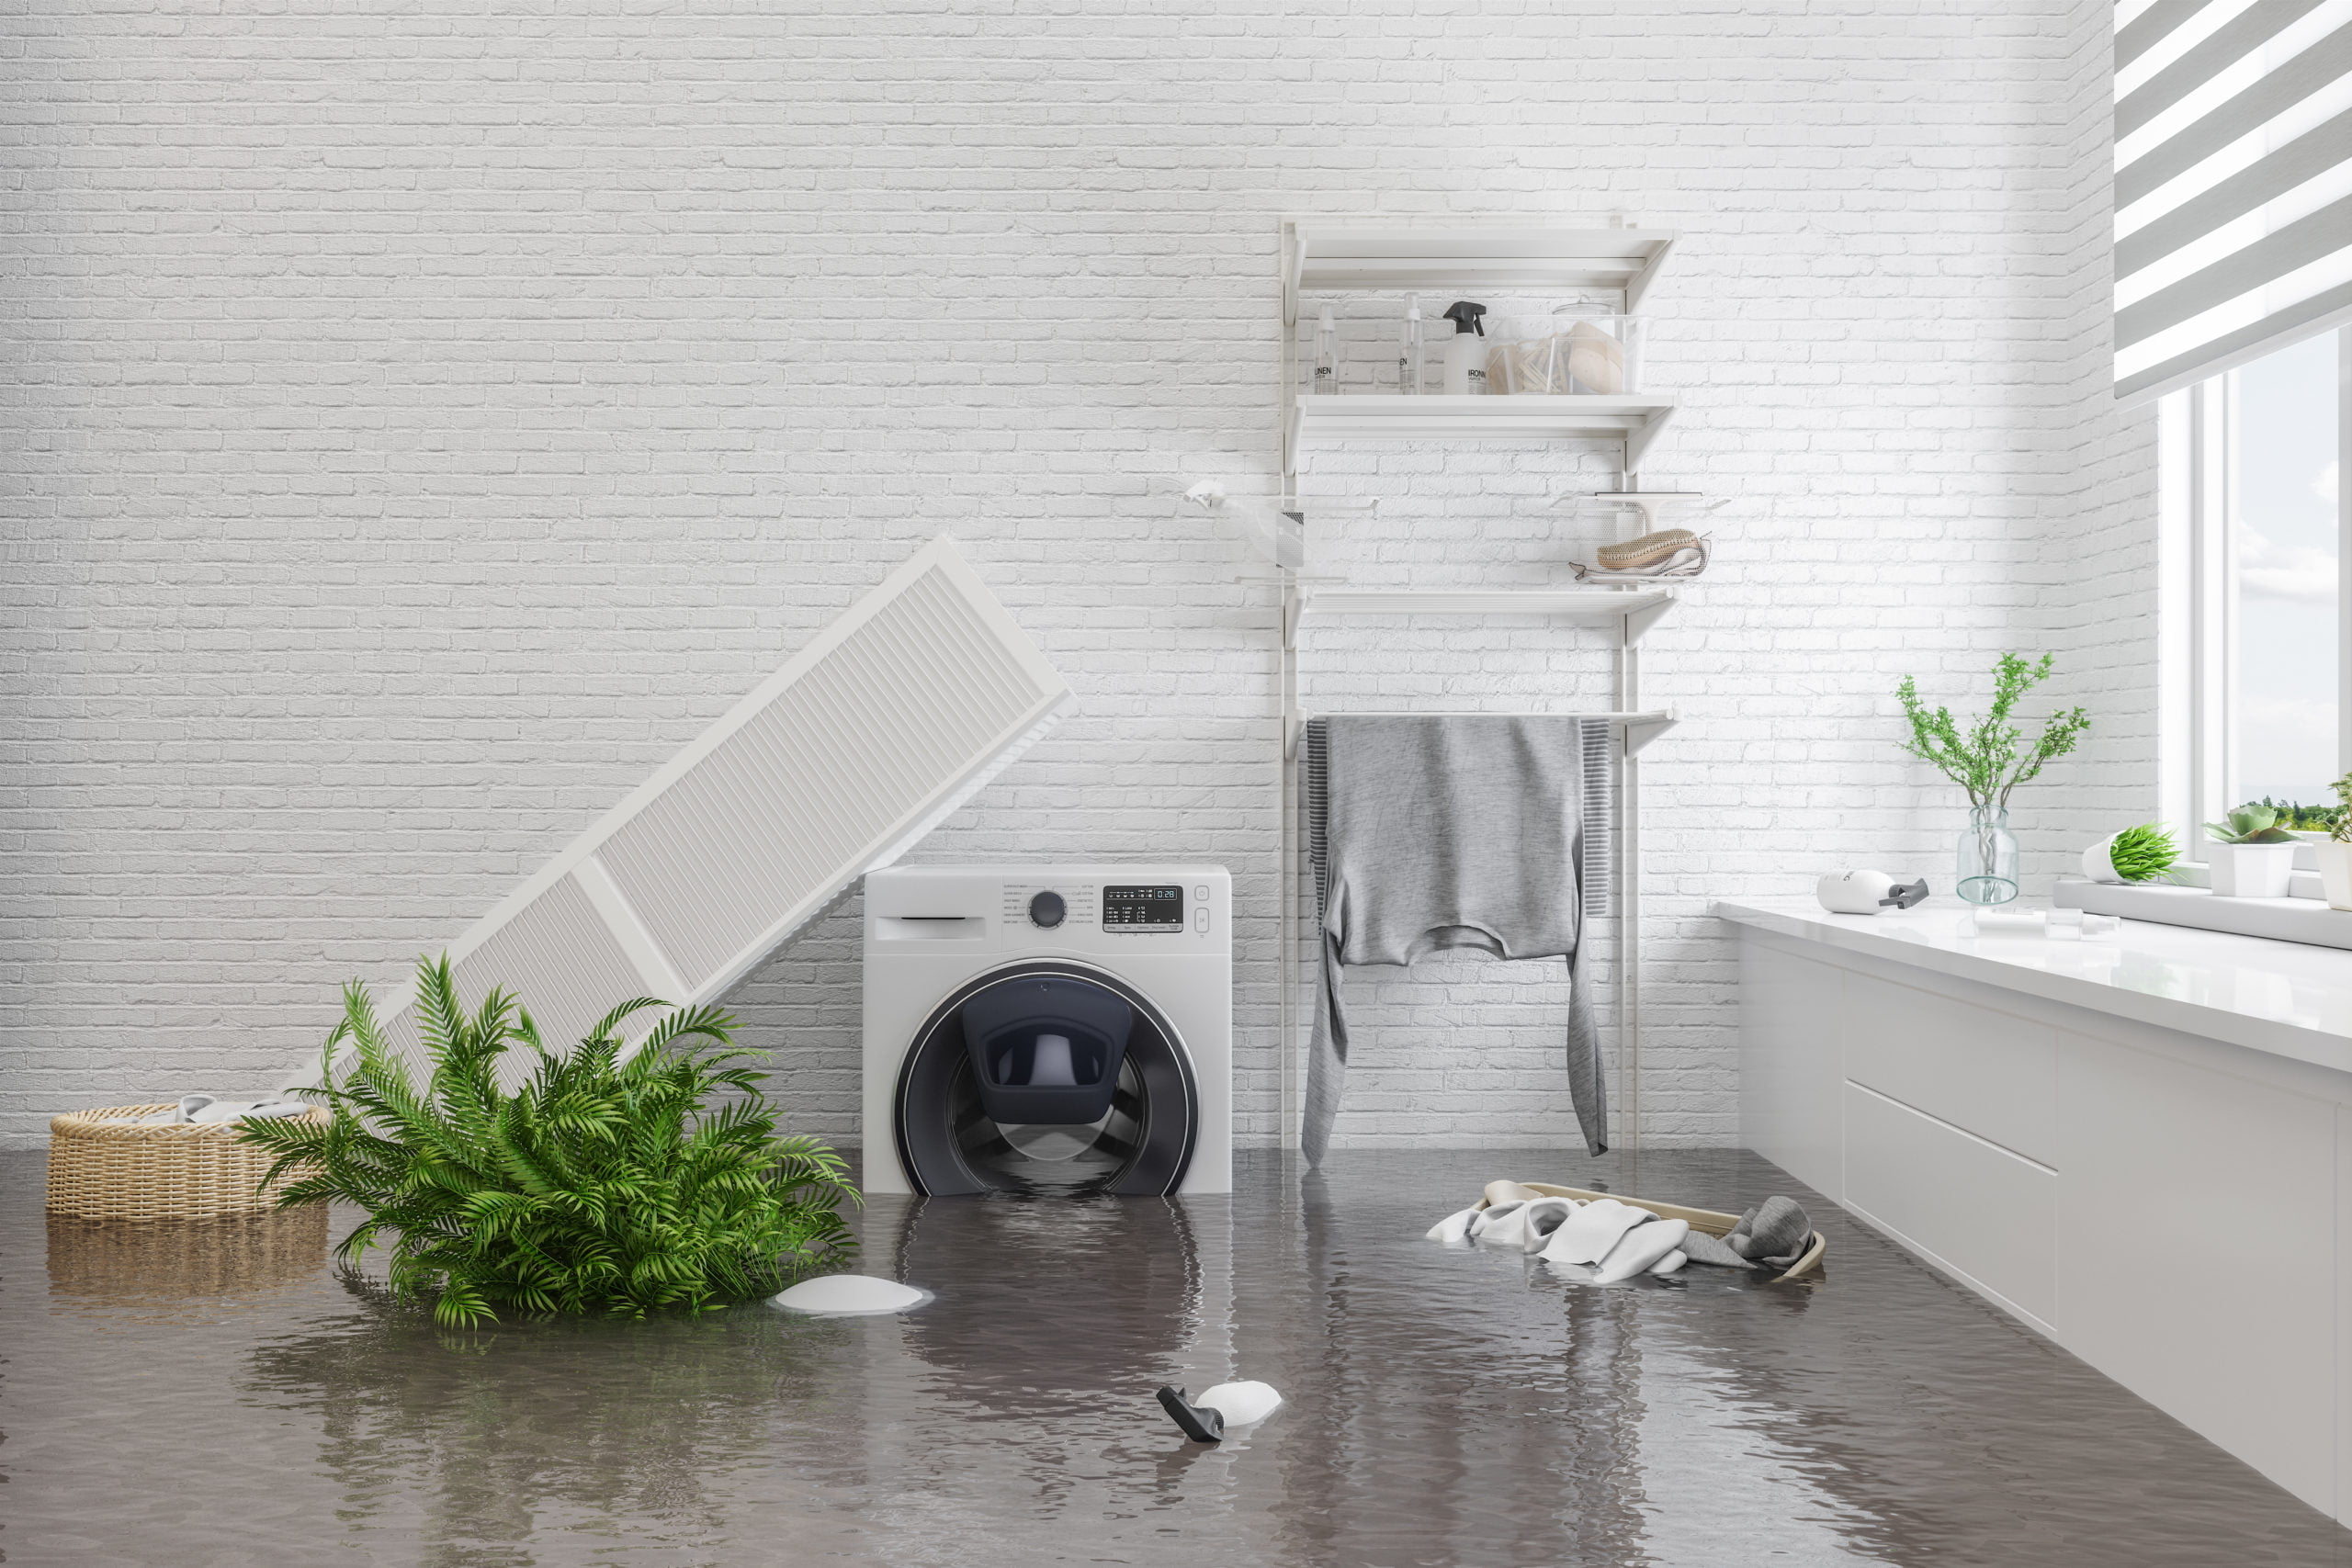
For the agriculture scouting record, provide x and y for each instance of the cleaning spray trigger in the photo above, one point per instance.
(1903, 894)
(1466, 351)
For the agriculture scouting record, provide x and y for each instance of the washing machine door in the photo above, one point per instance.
(1046, 1077)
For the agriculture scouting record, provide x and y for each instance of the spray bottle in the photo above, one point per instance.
(1326, 378)
(1409, 349)
(1466, 351)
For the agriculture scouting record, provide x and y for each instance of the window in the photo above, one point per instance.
(2255, 516)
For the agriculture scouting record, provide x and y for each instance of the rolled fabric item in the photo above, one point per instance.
(1701, 1247)
(1774, 1234)
(1647, 550)
(1453, 1230)
(1541, 1218)
(1640, 1249)
(1589, 1234)
(1671, 1262)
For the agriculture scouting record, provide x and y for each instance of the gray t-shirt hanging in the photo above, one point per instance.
(1465, 831)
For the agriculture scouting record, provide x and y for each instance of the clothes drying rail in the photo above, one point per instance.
(1635, 729)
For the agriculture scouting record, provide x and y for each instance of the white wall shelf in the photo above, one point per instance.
(1468, 256)
(1392, 416)
(1638, 609)
(1455, 258)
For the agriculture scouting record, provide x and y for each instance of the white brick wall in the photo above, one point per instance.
(419, 423)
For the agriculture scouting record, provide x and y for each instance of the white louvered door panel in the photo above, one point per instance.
(895, 715)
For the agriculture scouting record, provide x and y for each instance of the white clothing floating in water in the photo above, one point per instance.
(849, 1295)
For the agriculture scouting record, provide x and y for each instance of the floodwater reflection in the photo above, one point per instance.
(231, 1399)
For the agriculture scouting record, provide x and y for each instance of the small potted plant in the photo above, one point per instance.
(2145, 853)
(2251, 855)
(2335, 852)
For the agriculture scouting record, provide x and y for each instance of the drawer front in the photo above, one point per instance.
(1992, 1074)
(1981, 1209)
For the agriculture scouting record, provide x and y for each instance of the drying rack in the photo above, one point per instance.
(1331, 255)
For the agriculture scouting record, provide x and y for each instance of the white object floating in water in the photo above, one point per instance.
(1241, 1403)
(851, 1295)
(1641, 1247)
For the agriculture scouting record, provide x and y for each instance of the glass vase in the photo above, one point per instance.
(1987, 872)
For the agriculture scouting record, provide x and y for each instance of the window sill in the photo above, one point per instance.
(2301, 919)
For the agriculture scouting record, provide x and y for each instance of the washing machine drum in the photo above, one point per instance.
(1046, 1077)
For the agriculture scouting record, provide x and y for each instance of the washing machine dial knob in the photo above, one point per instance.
(1047, 909)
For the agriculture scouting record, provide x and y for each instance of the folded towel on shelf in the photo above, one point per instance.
(1487, 832)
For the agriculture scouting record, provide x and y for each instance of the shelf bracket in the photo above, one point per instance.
(1640, 732)
(1293, 264)
(1640, 621)
(1637, 440)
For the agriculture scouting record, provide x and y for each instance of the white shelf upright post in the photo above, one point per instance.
(1337, 255)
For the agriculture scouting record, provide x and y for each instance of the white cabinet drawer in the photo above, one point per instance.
(1992, 1074)
(1979, 1210)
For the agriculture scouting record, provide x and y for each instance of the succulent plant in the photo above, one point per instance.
(2250, 824)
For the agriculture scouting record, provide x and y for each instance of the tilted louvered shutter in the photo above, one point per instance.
(2233, 182)
(895, 715)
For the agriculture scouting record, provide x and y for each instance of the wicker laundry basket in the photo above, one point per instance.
(103, 1166)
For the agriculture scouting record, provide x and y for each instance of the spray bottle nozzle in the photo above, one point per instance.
(1464, 317)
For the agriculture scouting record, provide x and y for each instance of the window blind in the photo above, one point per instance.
(2233, 182)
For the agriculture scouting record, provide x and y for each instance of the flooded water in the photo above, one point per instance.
(212, 1395)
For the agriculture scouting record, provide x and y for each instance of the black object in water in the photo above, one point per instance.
(1200, 1424)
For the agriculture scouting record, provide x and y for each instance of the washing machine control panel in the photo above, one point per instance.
(1066, 907)
(1152, 907)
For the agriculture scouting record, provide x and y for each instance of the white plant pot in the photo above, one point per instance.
(2251, 871)
(2097, 864)
(2334, 873)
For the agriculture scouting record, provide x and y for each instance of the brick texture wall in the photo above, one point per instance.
(421, 420)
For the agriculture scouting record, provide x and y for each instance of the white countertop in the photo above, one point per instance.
(2285, 997)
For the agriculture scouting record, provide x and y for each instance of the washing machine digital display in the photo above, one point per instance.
(1143, 908)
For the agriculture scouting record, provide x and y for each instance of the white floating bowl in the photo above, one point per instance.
(849, 1295)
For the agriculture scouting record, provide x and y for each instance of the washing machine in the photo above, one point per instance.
(1049, 1030)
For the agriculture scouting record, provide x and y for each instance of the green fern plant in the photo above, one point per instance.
(2145, 853)
(605, 1183)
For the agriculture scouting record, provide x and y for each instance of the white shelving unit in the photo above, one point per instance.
(1330, 255)
(1322, 256)
(1640, 608)
(1389, 416)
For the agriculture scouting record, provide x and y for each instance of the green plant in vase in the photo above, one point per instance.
(1989, 760)
(609, 1181)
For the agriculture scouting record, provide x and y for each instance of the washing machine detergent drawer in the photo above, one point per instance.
(1047, 1052)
